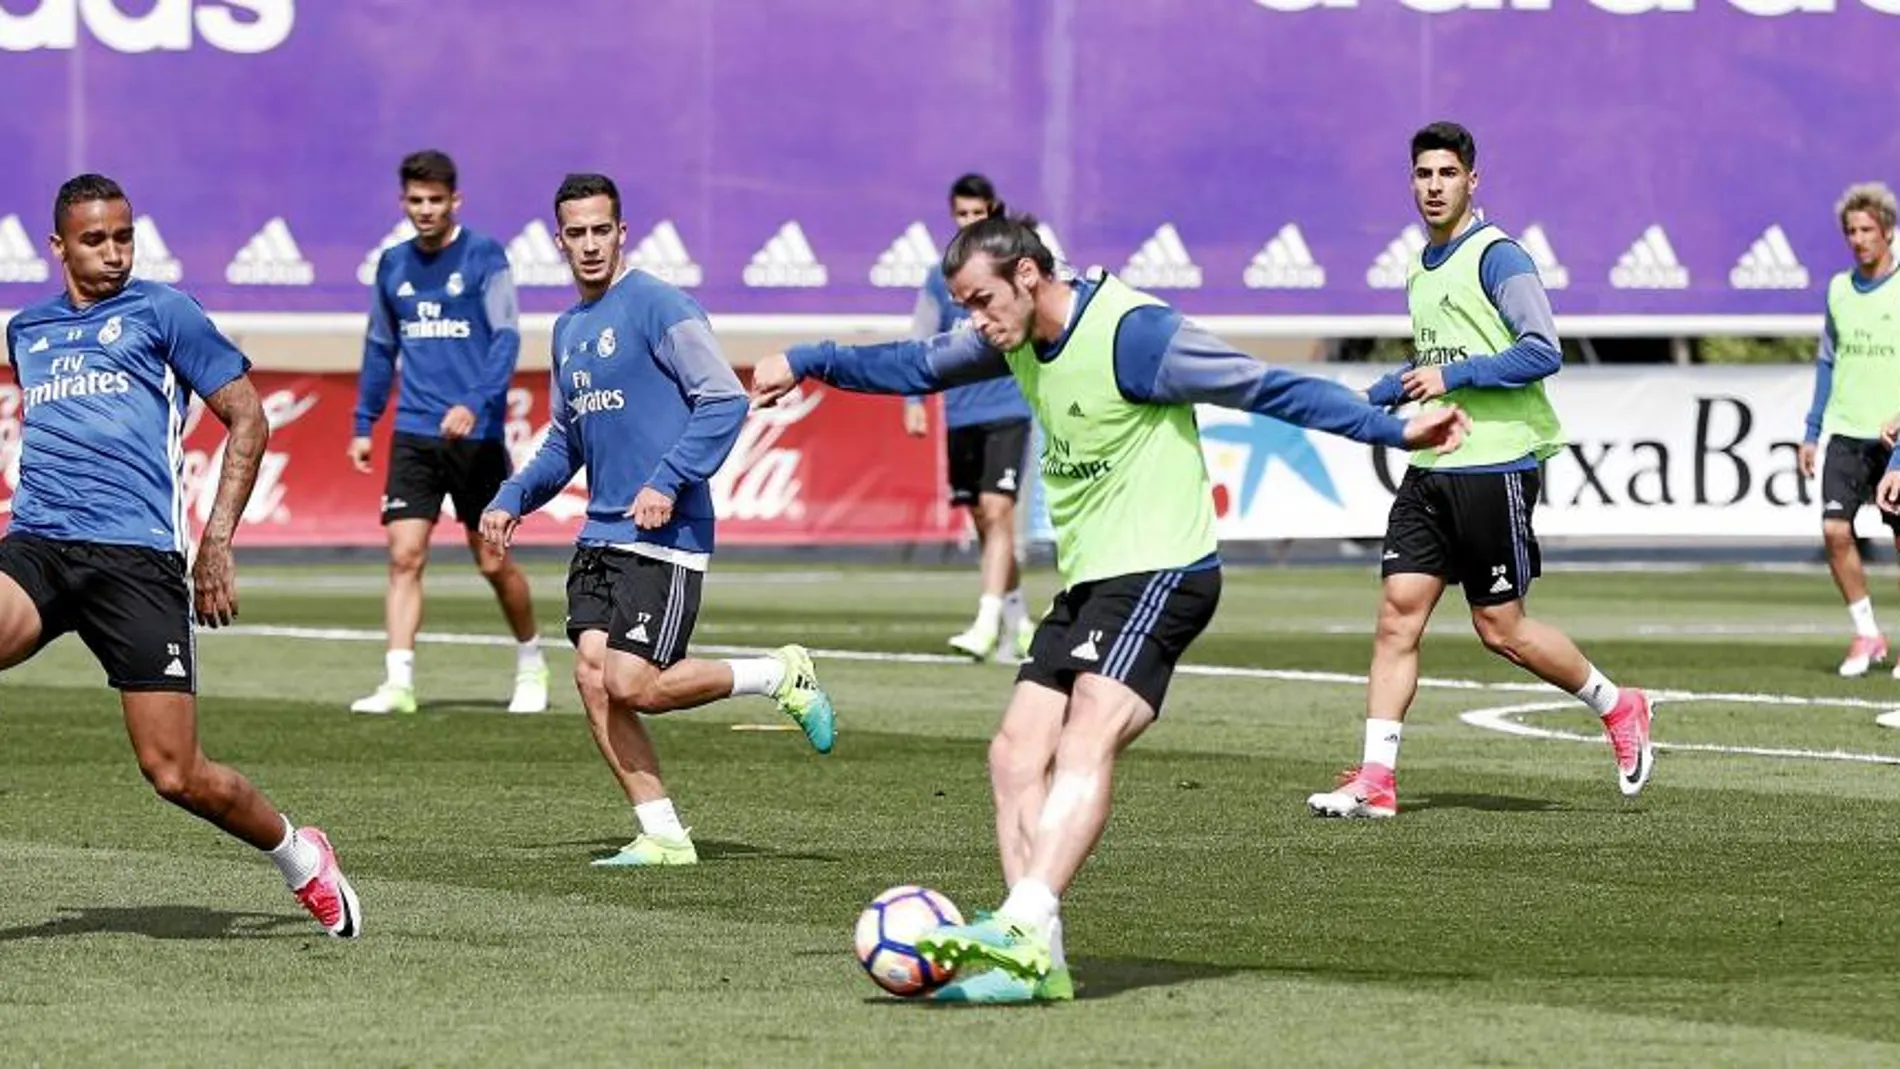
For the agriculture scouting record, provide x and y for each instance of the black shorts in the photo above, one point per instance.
(1850, 473)
(131, 606)
(1473, 529)
(1131, 629)
(424, 470)
(987, 458)
(647, 607)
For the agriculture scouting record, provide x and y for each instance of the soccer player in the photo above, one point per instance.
(1113, 376)
(1485, 341)
(987, 438)
(443, 318)
(644, 400)
(97, 544)
(1856, 390)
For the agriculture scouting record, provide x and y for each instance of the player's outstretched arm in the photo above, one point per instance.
(1163, 358)
(214, 573)
(911, 367)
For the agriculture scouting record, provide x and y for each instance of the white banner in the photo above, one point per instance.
(1655, 451)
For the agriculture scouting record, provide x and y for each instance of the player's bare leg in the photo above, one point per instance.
(1850, 578)
(1371, 789)
(163, 728)
(1550, 655)
(1022, 758)
(510, 584)
(1001, 627)
(1103, 717)
(402, 617)
(19, 623)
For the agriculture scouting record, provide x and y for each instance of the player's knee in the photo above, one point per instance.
(638, 692)
(407, 560)
(1010, 758)
(172, 778)
(492, 565)
(1838, 534)
(1399, 626)
(1499, 633)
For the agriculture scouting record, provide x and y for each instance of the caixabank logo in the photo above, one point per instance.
(242, 26)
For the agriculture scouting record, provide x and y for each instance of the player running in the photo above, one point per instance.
(987, 438)
(1485, 341)
(443, 319)
(97, 543)
(1856, 391)
(644, 400)
(1112, 375)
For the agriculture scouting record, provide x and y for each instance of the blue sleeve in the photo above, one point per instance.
(926, 321)
(1162, 358)
(956, 358)
(203, 357)
(688, 353)
(1823, 382)
(378, 373)
(1388, 392)
(504, 338)
(1510, 280)
(552, 466)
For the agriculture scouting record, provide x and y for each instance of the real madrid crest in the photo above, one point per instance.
(455, 284)
(111, 331)
(606, 345)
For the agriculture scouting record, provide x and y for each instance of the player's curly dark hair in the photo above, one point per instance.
(1005, 239)
(84, 189)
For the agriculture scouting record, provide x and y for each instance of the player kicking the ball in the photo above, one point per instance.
(1112, 375)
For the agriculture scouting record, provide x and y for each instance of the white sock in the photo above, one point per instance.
(1382, 742)
(1862, 613)
(1015, 610)
(659, 818)
(989, 613)
(528, 655)
(401, 666)
(1599, 693)
(1032, 902)
(1057, 959)
(757, 675)
(296, 857)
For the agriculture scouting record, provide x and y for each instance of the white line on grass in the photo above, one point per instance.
(1501, 719)
(355, 634)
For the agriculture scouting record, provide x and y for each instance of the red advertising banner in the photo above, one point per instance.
(825, 468)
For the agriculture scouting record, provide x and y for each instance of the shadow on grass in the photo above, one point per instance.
(163, 922)
(1489, 803)
(710, 850)
(1097, 978)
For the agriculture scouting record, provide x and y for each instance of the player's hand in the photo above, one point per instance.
(1423, 383)
(1439, 429)
(916, 420)
(459, 421)
(651, 509)
(772, 379)
(498, 527)
(214, 584)
(1804, 459)
(359, 454)
(1887, 494)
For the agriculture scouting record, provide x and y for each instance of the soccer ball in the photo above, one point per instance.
(887, 939)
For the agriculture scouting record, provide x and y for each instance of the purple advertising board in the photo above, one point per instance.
(1241, 157)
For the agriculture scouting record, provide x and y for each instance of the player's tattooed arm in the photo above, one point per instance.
(214, 575)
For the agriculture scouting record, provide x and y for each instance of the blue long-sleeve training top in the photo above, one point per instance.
(1161, 357)
(641, 397)
(446, 324)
